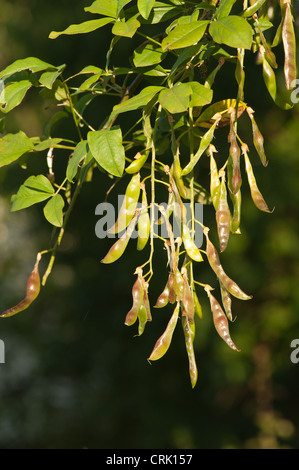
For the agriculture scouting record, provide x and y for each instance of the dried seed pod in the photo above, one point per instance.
(258, 139)
(163, 343)
(137, 294)
(289, 44)
(187, 300)
(234, 179)
(255, 192)
(223, 216)
(32, 291)
(220, 321)
(226, 301)
(214, 180)
(128, 206)
(189, 333)
(120, 245)
(229, 284)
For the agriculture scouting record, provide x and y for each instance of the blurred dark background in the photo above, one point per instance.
(75, 376)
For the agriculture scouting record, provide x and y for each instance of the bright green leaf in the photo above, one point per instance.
(121, 4)
(31, 63)
(200, 95)
(82, 28)
(126, 28)
(162, 12)
(107, 149)
(136, 102)
(13, 146)
(47, 143)
(53, 210)
(35, 189)
(104, 7)
(148, 54)
(145, 7)
(13, 94)
(175, 99)
(185, 35)
(224, 8)
(80, 152)
(233, 31)
(48, 78)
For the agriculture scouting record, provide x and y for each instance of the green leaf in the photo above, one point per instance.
(175, 99)
(136, 102)
(13, 146)
(200, 95)
(148, 54)
(120, 5)
(126, 28)
(13, 94)
(45, 144)
(224, 8)
(185, 35)
(104, 7)
(162, 12)
(35, 189)
(48, 78)
(31, 63)
(53, 210)
(233, 31)
(80, 152)
(107, 149)
(82, 28)
(145, 7)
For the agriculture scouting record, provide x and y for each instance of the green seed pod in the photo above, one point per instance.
(220, 322)
(255, 192)
(214, 182)
(120, 245)
(234, 179)
(144, 223)
(187, 301)
(163, 343)
(254, 7)
(223, 216)
(144, 312)
(289, 44)
(163, 298)
(129, 205)
(258, 139)
(197, 306)
(192, 250)
(189, 333)
(32, 291)
(236, 218)
(137, 163)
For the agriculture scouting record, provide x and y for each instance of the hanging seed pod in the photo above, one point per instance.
(169, 207)
(137, 294)
(226, 301)
(137, 163)
(258, 139)
(163, 298)
(240, 74)
(143, 222)
(236, 218)
(163, 343)
(214, 178)
(144, 312)
(269, 78)
(191, 248)
(223, 216)
(177, 173)
(189, 333)
(178, 285)
(229, 284)
(187, 301)
(220, 322)
(289, 44)
(117, 250)
(32, 291)
(129, 205)
(255, 192)
(234, 179)
(197, 306)
(255, 6)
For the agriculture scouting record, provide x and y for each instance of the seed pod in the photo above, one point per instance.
(144, 312)
(226, 301)
(189, 333)
(187, 301)
(32, 291)
(177, 174)
(169, 208)
(137, 163)
(255, 193)
(240, 74)
(234, 179)
(236, 218)
(137, 294)
(163, 298)
(220, 322)
(289, 44)
(269, 78)
(204, 144)
(143, 222)
(191, 248)
(258, 139)
(223, 216)
(214, 182)
(128, 206)
(229, 284)
(120, 245)
(253, 8)
(163, 343)
(178, 285)
(197, 306)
